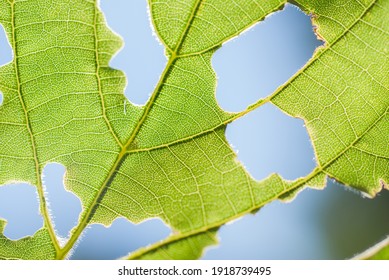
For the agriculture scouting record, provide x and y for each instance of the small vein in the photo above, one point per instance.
(43, 205)
(108, 123)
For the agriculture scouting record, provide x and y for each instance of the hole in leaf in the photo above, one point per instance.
(19, 206)
(64, 206)
(5, 48)
(252, 67)
(142, 58)
(254, 64)
(249, 68)
(119, 239)
(6, 53)
(268, 141)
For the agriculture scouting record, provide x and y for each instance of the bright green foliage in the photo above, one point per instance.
(342, 94)
(169, 158)
(35, 248)
(178, 247)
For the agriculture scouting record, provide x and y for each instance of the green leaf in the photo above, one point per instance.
(178, 248)
(169, 158)
(342, 93)
(38, 247)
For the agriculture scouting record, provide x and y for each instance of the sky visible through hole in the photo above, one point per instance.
(6, 53)
(60, 200)
(316, 225)
(251, 67)
(142, 58)
(19, 206)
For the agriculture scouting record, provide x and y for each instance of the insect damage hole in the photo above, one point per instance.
(268, 141)
(118, 240)
(142, 58)
(5, 48)
(6, 53)
(249, 68)
(256, 63)
(64, 206)
(19, 206)
(252, 67)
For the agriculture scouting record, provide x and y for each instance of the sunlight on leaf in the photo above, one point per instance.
(169, 158)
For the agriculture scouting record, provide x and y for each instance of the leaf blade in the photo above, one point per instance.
(170, 158)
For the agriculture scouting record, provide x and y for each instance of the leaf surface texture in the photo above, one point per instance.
(170, 158)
